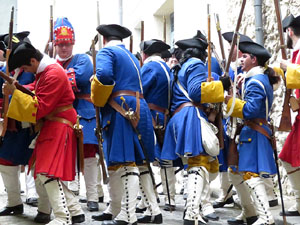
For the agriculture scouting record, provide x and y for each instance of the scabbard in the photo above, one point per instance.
(80, 150)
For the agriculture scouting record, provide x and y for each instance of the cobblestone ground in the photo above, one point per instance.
(174, 218)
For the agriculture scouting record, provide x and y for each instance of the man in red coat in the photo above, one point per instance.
(290, 153)
(55, 149)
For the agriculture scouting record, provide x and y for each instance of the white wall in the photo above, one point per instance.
(33, 15)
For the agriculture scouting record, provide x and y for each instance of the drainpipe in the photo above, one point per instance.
(259, 35)
(121, 12)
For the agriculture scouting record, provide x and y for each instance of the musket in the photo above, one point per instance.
(285, 122)
(234, 39)
(218, 26)
(18, 86)
(5, 97)
(98, 23)
(80, 152)
(142, 39)
(209, 45)
(99, 128)
(165, 29)
(131, 44)
(49, 46)
(273, 142)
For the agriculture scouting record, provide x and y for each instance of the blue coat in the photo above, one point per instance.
(115, 64)
(183, 133)
(255, 150)
(83, 69)
(15, 144)
(156, 79)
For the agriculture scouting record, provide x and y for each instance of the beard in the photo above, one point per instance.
(289, 43)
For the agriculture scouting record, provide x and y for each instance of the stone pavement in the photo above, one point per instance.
(170, 218)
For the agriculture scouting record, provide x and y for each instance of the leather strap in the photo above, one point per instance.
(121, 110)
(187, 104)
(59, 109)
(256, 124)
(86, 97)
(125, 93)
(61, 120)
(161, 110)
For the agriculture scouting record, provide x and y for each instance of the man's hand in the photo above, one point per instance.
(283, 64)
(92, 78)
(227, 98)
(8, 89)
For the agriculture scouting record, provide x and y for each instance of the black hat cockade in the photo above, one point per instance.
(201, 36)
(290, 21)
(153, 46)
(17, 38)
(228, 36)
(113, 30)
(192, 43)
(256, 50)
(21, 55)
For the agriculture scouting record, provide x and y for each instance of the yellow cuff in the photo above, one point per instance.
(238, 107)
(279, 71)
(293, 76)
(100, 93)
(212, 92)
(210, 163)
(23, 107)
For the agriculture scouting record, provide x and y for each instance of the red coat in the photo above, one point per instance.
(291, 149)
(55, 151)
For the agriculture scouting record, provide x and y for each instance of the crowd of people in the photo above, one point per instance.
(158, 110)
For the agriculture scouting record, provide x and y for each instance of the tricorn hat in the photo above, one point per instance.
(228, 36)
(153, 46)
(290, 21)
(16, 39)
(192, 43)
(21, 55)
(114, 30)
(256, 50)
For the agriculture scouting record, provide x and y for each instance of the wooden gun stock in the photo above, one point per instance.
(18, 86)
(234, 39)
(98, 125)
(285, 122)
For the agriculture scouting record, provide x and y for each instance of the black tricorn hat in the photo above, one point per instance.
(177, 52)
(16, 39)
(290, 21)
(192, 43)
(153, 46)
(256, 50)
(200, 35)
(20, 55)
(228, 36)
(166, 54)
(114, 30)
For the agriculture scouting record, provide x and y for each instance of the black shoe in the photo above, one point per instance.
(102, 217)
(138, 210)
(101, 199)
(92, 206)
(273, 202)
(118, 222)
(168, 207)
(251, 220)
(212, 216)
(290, 213)
(83, 200)
(234, 221)
(42, 218)
(32, 201)
(221, 204)
(151, 219)
(192, 222)
(76, 193)
(15, 210)
(78, 219)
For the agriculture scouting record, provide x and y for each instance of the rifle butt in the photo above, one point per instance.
(285, 122)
